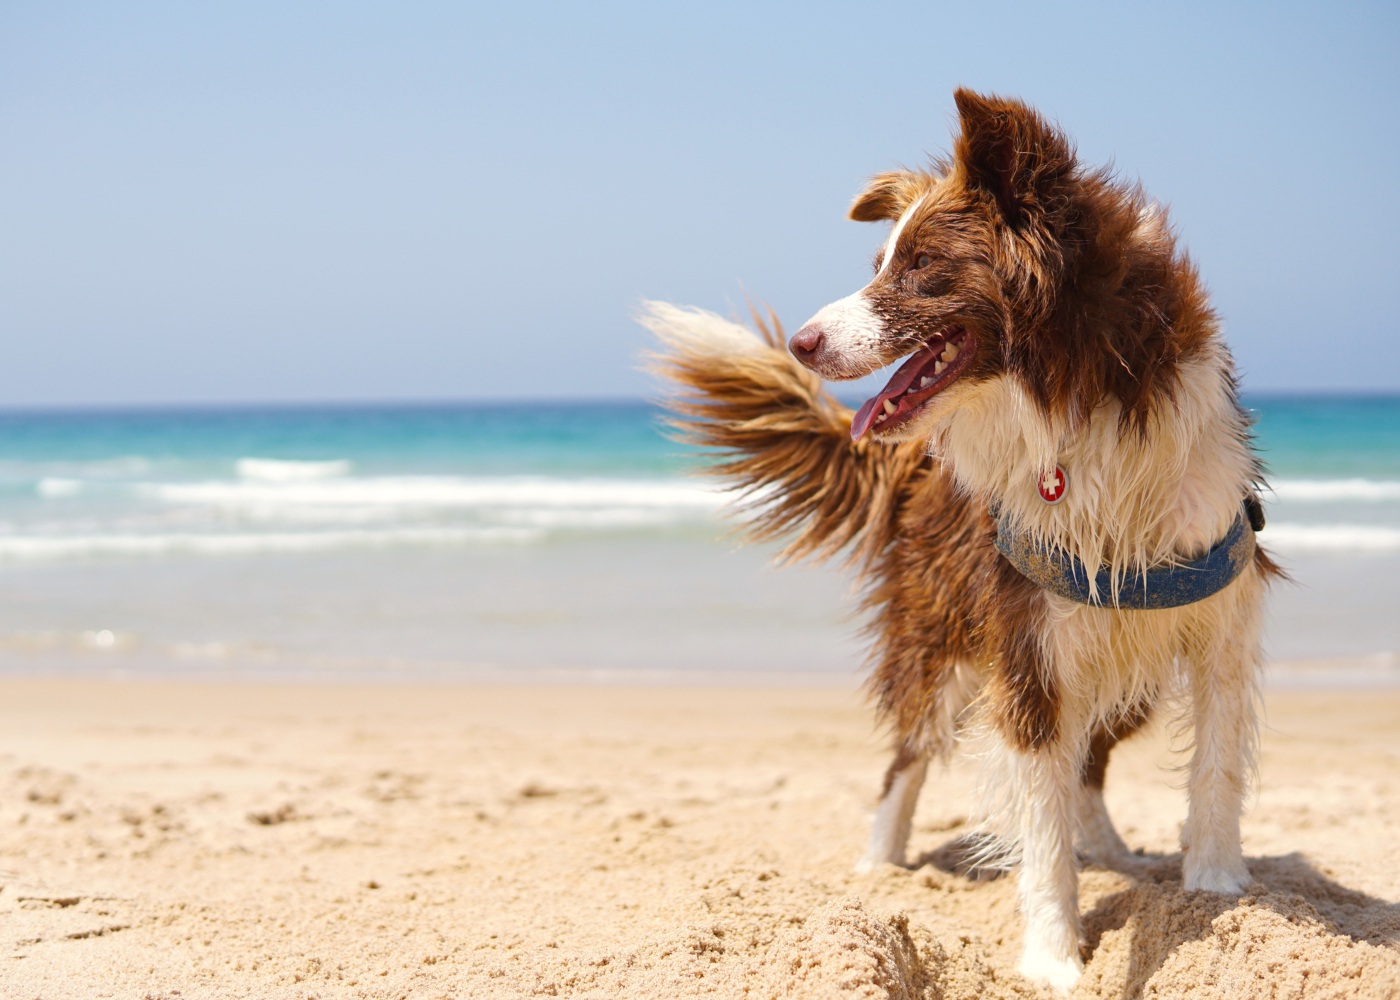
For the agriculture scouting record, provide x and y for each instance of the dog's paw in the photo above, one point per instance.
(1115, 858)
(1059, 972)
(1227, 880)
(869, 863)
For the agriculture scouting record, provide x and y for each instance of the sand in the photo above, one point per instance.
(205, 840)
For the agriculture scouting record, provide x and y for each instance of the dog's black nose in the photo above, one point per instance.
(806, 343)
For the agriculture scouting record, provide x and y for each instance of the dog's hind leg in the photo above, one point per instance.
(1223, 671)
(922, 736)
(895, 815)
(1098, 842)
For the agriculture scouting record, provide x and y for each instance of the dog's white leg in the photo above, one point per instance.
(1049, 888)
(895, 814)
(1223, 696)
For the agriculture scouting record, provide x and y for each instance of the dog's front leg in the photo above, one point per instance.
(1048, 778)
(1224, 712)
(1033, 783)
(889, 835)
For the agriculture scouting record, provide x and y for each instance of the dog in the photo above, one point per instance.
(1052, 503)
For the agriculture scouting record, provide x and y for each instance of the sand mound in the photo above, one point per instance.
(765, 938)
(1157, 940)
(843, 948)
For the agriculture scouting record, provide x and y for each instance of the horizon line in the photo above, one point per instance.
(481, 402)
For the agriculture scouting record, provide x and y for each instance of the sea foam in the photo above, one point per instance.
(1339, 538)
(55, 487)
(277, 470)
(444, 491)
(1369, 490)
(20, 548)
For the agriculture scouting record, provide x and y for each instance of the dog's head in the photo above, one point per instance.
(971, 282)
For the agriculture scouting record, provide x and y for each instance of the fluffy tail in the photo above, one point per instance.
(783, 441)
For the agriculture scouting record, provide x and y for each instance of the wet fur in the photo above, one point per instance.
(1094, 348)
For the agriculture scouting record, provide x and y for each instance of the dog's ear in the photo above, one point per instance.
(887, 196)
(1010, 151)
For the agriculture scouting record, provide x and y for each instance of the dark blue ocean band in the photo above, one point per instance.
(1168, 587)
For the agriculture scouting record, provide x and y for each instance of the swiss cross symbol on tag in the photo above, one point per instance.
(1053, 485)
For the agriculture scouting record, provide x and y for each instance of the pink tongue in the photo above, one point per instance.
(864, 417)
(900, 381)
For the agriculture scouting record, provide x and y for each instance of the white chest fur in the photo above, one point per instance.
(1136, 500)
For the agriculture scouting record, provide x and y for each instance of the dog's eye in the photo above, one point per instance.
(924, 261)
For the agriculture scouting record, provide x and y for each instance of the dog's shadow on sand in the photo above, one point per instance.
(1162, 916)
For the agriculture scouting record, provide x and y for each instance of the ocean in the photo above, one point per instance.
(533, 542)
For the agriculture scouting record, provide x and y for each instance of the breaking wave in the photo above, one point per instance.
(279, 506)
(277, 470)
(1370, 490)
(1350, 538)
(444, 492)
(34, 548)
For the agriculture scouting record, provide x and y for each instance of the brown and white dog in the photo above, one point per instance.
(1065, 374)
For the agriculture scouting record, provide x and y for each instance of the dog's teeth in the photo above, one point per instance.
(925, 382)
(939, 366)
(950, 353)
(889, 407)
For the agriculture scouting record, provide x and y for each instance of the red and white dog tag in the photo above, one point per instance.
(1053, 485)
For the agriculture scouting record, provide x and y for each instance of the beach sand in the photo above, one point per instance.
(261, 840)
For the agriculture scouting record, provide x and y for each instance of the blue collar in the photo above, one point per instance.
(1166, 587)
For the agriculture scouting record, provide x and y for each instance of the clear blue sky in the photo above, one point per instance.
(260, 202)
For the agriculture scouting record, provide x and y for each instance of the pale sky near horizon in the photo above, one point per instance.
(299, 201)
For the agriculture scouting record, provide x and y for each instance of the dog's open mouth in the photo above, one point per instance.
(926, 373)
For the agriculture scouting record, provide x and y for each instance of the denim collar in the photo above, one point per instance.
(1173, 586)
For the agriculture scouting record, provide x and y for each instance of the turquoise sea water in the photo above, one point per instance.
(1329, 437)
(509, 539)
